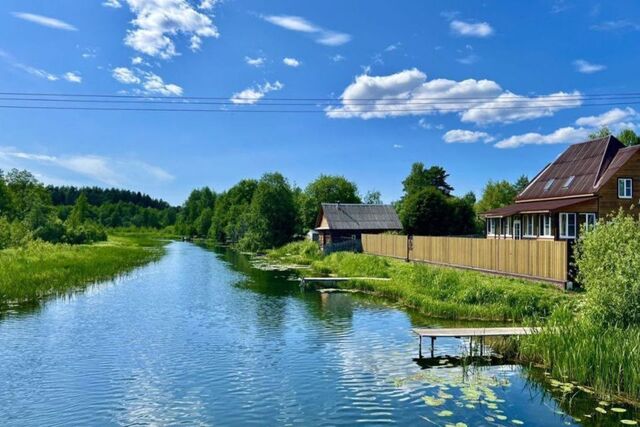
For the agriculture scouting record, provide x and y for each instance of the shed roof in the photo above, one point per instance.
(541, 206)
(586, 162)
(352, 216)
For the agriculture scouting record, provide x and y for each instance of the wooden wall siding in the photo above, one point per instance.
(609, 201)
(539, 259)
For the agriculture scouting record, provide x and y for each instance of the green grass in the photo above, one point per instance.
(302, 253)
(40, 269)
(446, 292)
(606, 359)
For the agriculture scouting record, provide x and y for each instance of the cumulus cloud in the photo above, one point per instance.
(291, 62)
(99, 169)
(471, 29)
(72, 77)
(254, 94)
(254, 62)
(158, 22)
(609, 118)
(409, 93)
(302, 25)
(466, 136)
(148, 83)
(586, 67)
(617, 119)
(45, 21)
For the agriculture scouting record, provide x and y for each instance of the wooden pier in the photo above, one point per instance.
(470, 333)
(334, 280)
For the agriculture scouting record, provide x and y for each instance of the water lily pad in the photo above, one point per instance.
(601, 410)
(603, 403)
(618, 410)
(501, 417)
(629, 422)
(489, 419)
(469, 406)
(518, 422)
(433, 401)
(444, 395)
(445, 413)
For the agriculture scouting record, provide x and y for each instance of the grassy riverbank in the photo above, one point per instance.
(39, 269)
(435, 291)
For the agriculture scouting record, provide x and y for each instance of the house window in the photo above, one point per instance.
(568, 182)
(545, 225)
(567, 225)
(529, 229)
(548, 185)
(589, 221)
(625, 188)
(491, 226)
(507, 227)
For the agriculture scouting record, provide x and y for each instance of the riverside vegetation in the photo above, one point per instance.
(591, 338)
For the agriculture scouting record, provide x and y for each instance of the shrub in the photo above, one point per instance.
(608, 261)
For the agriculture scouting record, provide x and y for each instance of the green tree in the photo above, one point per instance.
(326, 189)
(229, 222)
(80, 212)
(5, 200)
(521, 184)
(426, 212)
(497, 194)
(420, 178)
(628, 137)
(600, 133)
(608, 261)
(272, 214)
(373, 197)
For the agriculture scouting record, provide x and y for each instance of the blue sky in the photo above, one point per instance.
(549, 57)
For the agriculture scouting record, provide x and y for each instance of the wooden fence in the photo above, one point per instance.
(535, 259)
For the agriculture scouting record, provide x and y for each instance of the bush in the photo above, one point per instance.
(608, 261)
(301, 252)
(84, 233)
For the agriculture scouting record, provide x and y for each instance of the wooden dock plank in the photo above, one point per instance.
(340, 279)
(472, 332)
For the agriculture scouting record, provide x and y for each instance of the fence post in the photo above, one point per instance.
(409, 246)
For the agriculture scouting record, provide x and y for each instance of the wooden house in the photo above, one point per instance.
(588, 181)
(340, 222)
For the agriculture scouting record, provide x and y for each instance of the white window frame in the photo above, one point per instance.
(491, 227)
(627, 188)
(587, 225)
(546, 229)
(564, 225)
(529, 221)
(507, 230)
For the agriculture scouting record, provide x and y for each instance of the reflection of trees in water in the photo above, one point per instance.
(576, 401)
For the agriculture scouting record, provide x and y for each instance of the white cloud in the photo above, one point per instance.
(254, 94)
(158, 22)
(45, 21)
(137, 60)
(619, 25)
(617, 119)
(566, 135)
(125, 75)
(409, 93)
(100, 169)
(291, 62)
(254, 62)
(37, 72)
(150, 83)
(300, 24)
(72, 77)
(397, 146)
(609, 118)
(469, 59)
(392, 47)
(471, 29)
(466, 136)
(112, 3)
(586, 67)
(207, 4)
(338, 58)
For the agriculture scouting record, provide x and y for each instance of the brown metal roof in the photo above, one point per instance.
(351, 216)
(622, 156)
(586, 162)
(542, 206)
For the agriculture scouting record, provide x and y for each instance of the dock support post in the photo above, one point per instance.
(433, 340)
(420, 347)
(470, 346)
(481, 346)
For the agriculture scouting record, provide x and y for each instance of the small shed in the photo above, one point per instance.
(339, 222)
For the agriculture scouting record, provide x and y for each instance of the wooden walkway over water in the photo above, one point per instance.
(471, 333)
(334, 280)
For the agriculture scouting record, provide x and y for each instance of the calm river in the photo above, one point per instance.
(203, 338)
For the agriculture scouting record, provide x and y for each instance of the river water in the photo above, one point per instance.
(201, 337)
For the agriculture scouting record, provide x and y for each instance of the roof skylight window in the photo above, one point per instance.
(548, 185)
(568, 182)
